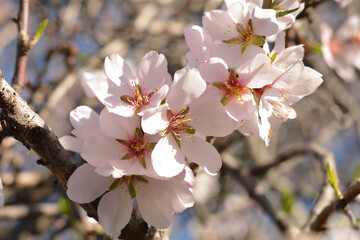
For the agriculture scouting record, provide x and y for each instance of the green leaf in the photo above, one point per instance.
(123, 142)
(219, 86)
(64, 206)
(333, 181)
(284, 13)
(126, 99)
(273, 4)
(357, 172)
(31, 153)
(114, 184)
(39, 33)
(141, 179)
(257, 41)
(163, 101)
(287, 200)
(243, 49)
(316, 47)
(132, 190)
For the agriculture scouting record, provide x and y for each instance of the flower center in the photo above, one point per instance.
(137, 147)
(233, 90)
(245, 37)
(138, 99)
(178, 124)
(130, 181)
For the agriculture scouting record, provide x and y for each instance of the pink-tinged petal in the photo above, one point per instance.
(290, 76)
(192, 60)
(187, 86)
(99, 150)
(83, 115)
(309, 81)
(152, 71)
(194, 38)
(118, 127)
(279, 43)
(107, 172)
(117, 70)
(134, 167)
(264, 21)
(116, 106)
(345, 71)
(289, 56)
(239, 110)
(208, 115)
(189, 177)
(85, 185)
(258, 73)
(2, 198)
(219, 25)
(154, 201)
(156, 99)
(95, 84)
(214, 70)
(183, 196)
(167, 159)
(199, 151)
(114, 211)
(71, 143)
(237, 11)
(231, 54)
(155, 120)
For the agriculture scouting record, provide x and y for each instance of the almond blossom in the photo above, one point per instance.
(234, 87)
(274, 101)
(157, 199)
(177, 121)
(341, 50)
(238, 31)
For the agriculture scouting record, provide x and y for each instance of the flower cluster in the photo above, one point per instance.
(137, 147)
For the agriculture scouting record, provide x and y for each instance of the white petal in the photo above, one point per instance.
(209, 116)
(187, 86)
(154, 199)
(114, 211)
(116, 68)
(152, 71)
(156, 99)
(216, 24)
(83, 115)
(309, 81)
(167, 159)
(214, 71)
(95, 83)
(71, 143)
(264, 21)
(99, 150)
(85, 185)
(199, 151)
(237, 11)
(118, 127)
(290, 76)
(194, 38)
(155, 120)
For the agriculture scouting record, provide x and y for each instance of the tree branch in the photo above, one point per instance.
(19, 78)
(339, 204)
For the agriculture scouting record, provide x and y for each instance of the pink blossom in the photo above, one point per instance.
(95, 84)
(341, 50)
(238, 31)
(183, 122)
(234, 88)
(122, 148)
(132, 94)
(157, 199)
(86, 123)
(275, 101)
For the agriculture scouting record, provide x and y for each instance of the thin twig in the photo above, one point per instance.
(339, 204)
(19, 78)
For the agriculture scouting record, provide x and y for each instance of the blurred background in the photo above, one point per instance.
(81, 33)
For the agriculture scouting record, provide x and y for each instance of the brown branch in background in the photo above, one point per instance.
(19, 79)
(339, 204)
